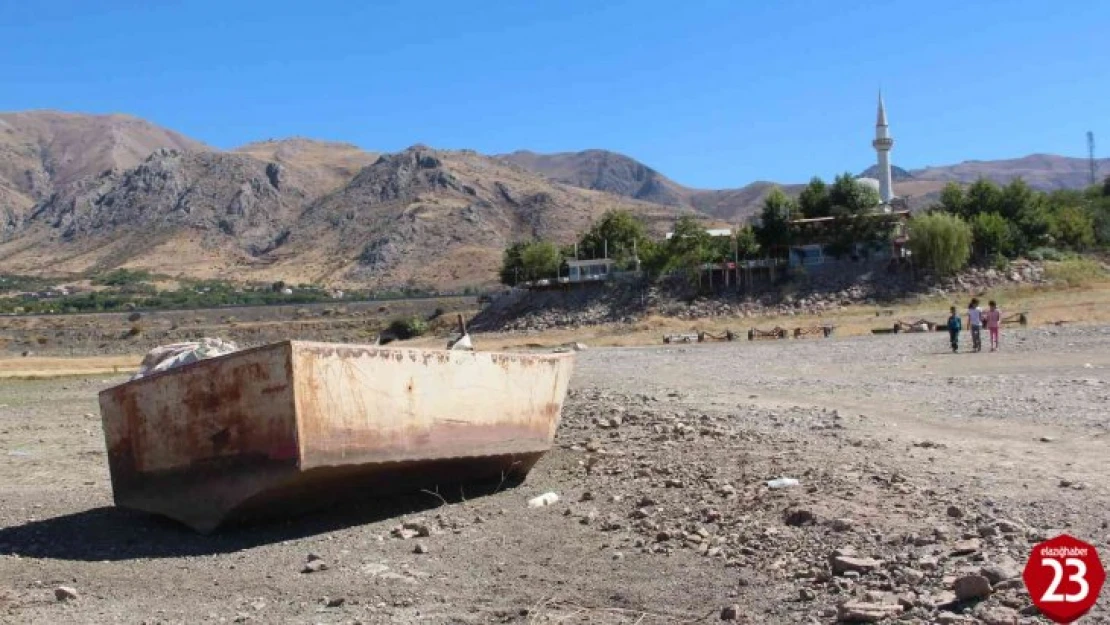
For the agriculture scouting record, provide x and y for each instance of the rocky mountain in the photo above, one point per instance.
(602, 170)
(438, 217)
(616, 173)
(418, 217)
(81, 193)
(1042, 171)
(897, 174)
(324, 166)
(42, 151)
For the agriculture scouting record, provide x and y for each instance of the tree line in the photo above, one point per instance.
(991, 223)
(624, 237)
(985, 223)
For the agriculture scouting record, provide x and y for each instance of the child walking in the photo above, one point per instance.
(975, 321)
(994, 322)
(954, 327)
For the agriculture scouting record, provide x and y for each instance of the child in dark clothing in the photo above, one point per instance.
(954, 327)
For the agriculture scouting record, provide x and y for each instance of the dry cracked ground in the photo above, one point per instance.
(924, 478)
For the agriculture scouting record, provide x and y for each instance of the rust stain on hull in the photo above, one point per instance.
(277, 427)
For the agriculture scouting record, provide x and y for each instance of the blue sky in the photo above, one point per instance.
(713, 94)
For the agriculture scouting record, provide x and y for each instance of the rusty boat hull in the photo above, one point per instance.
(294, 425)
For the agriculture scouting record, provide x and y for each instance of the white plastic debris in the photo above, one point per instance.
(461, 344)
(782, 482)
(545, 499)
(167, 357)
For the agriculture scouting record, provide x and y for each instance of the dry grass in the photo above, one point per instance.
(1045, 306)
(35, 367)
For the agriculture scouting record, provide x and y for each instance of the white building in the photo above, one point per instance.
(713, 232)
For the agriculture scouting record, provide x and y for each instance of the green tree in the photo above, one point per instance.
(688, 248)
(983, 196)
(814, 199)
(747, 242)
(512, 268)
(618, 230)
(953, 200)
(774, 233)
(849, 193)
(540, 259)
(653, 257)
(991, 235)
(1025, 207)
(940, 242)
(1074, 227)
(855, 221)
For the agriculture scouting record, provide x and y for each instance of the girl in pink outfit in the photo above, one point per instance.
(994, 320)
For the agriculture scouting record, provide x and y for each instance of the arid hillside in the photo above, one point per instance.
(43, 151)
(620, 174)
(81, 194)
(1042, 171)
(420, 217)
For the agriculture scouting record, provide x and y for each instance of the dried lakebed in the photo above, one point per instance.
(924, 480)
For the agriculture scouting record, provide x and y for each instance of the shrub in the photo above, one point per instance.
(121, 277)
(991, 234)
(1047, 253)
(1073, 227)
(1000, 262)
(940, 242)
(1076, 272)
(408, 327)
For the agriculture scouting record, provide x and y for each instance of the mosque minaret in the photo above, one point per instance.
(882, 144)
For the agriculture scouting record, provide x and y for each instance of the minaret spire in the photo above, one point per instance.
(883, 144)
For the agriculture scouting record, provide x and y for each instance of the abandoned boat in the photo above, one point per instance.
(297, 424)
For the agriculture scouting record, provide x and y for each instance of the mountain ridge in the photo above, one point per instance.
(81, 193)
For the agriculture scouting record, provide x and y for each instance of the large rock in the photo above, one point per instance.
(861, 612)
(997, 616)
(846, 559)
(972, 587)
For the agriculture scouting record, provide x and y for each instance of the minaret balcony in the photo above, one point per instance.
(883, 144)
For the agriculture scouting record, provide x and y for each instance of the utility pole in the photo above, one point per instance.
(1091, 157)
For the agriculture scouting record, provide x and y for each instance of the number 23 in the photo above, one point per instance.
(1080, 577)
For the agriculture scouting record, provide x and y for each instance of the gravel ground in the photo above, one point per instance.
(924, 480)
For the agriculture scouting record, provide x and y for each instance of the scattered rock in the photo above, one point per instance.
(798, 516)
(1000, 571)
(972, 587)
(420, 548)
(955, 512)
(861, 612)
(65, 593)
(730, 613)
(997, 616)
(966, 547)
(848, 562)
(314, 565)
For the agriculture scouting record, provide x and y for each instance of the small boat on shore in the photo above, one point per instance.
(294, 425)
